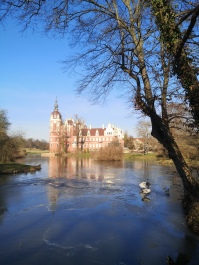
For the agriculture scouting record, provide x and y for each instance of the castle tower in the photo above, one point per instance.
(55, 130)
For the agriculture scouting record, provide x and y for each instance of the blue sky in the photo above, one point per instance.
(31, 77)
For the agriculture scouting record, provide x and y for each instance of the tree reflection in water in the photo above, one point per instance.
(80, 211)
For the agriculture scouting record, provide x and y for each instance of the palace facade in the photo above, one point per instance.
(71, 135)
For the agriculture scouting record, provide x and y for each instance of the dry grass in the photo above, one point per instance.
(109, 153)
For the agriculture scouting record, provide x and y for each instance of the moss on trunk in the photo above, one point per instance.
(192, 216)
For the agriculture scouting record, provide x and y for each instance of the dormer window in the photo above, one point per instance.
(97, 133)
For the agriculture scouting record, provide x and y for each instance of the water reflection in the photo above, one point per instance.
(71, 167)
(53, 195)
(74, 168)
(79, 211)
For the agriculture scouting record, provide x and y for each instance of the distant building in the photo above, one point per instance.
(69, 136)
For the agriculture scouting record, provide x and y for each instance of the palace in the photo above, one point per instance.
(72, 135)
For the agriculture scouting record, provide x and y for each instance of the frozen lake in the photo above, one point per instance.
(78, 211)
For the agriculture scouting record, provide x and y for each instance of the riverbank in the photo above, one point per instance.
(136, 155)
(141, 156)
(13, 168)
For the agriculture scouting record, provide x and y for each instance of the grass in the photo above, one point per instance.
(78, 154)
(35, 151)
(12, 168)
(141, 156)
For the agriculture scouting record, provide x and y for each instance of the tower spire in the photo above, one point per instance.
(56, 105)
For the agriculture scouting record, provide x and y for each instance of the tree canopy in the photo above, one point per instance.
(9, 144)
(178, 24)
(4, 123)
(114, 36)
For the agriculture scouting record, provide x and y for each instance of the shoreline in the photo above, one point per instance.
(14, 168)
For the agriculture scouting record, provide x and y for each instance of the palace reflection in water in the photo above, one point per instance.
(71, 167)
(81, 211)
(74, 168)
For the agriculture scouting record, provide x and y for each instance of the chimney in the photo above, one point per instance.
(90, 126)
(102, 126)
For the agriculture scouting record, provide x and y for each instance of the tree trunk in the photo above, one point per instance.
(164, 136)
(191, 186)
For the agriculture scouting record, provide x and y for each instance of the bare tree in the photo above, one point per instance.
(63, 140)
(181, 124)
(144, 131)
(80, 132)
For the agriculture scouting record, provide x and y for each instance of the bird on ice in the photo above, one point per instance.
(166, 189)
(145, 191)
(145, 187)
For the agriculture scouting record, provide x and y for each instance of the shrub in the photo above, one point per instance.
(110, 152)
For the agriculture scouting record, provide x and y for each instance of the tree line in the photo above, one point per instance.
(35, 143)
(9, 144)
(12, 144)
